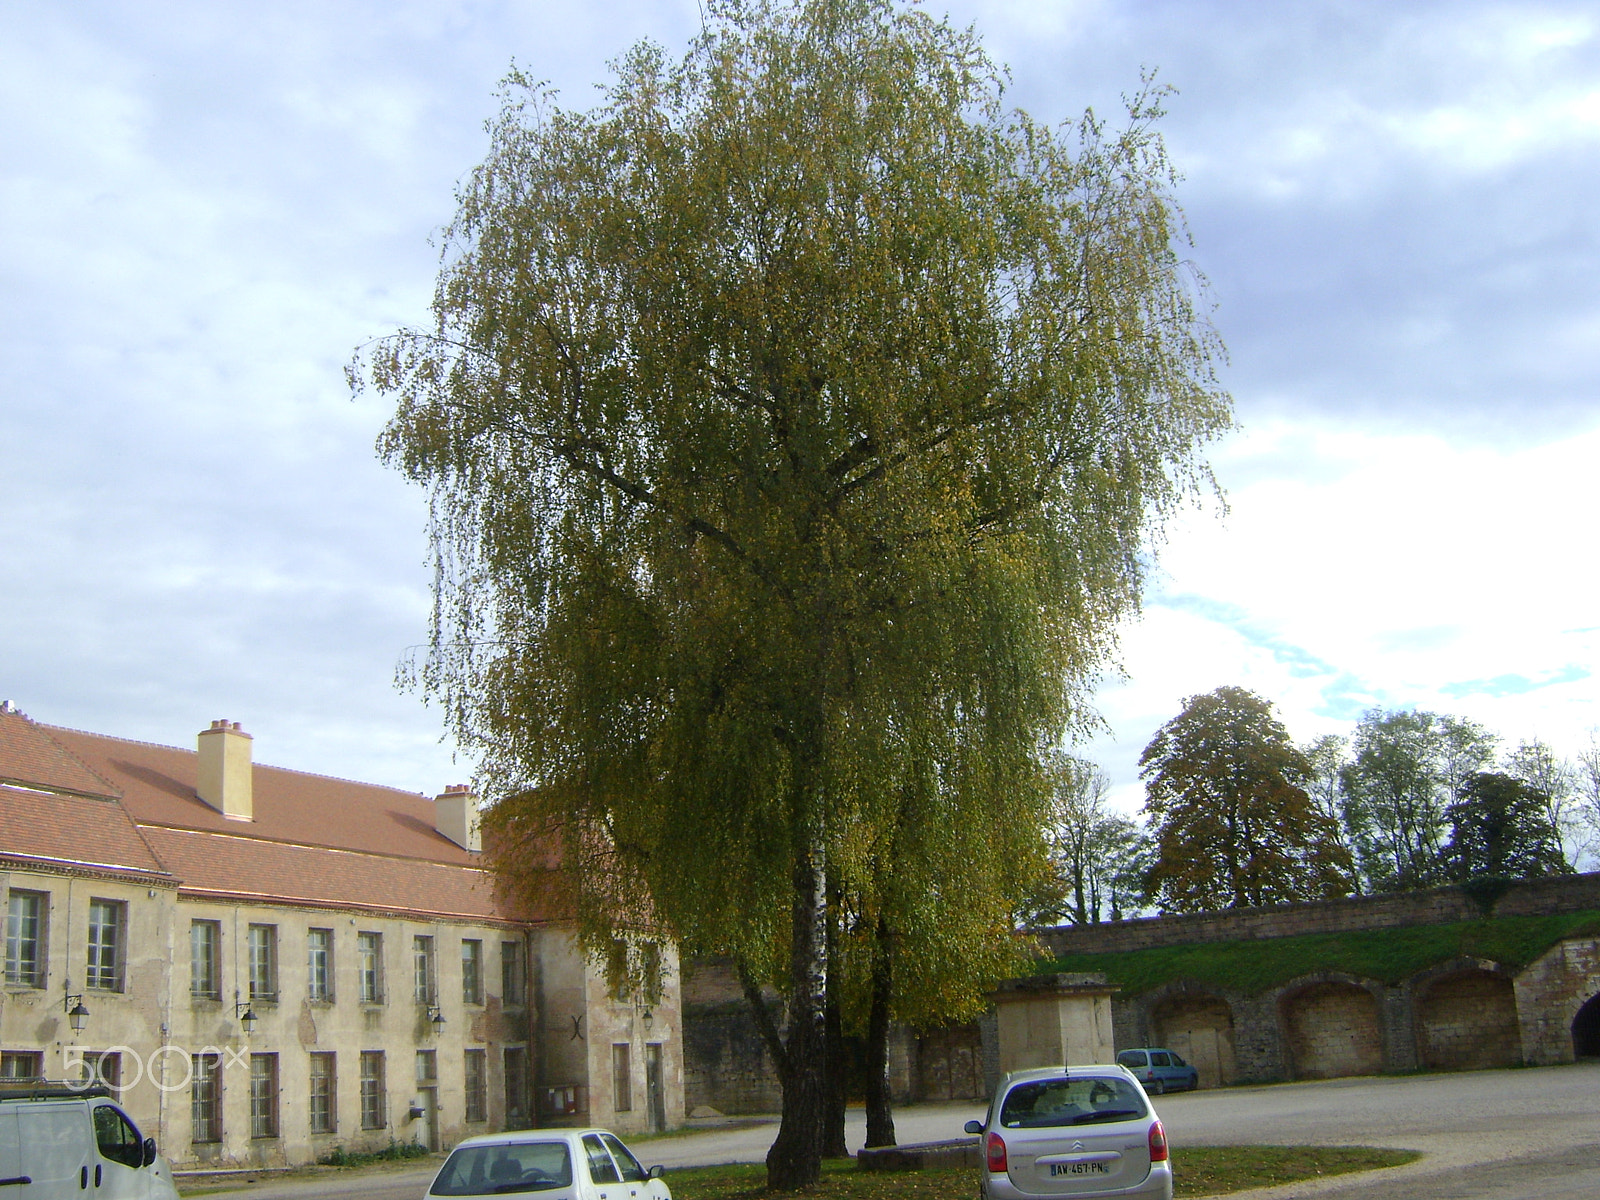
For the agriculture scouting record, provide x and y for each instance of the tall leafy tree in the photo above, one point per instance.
(795, 424)
(1098, 856)
(1536, 764)
(1406, 771)
(1234, 826)
(1501, 829)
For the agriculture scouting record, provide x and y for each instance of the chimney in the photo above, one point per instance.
(455, 814)
(225, 779)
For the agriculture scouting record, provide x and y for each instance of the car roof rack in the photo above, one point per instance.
(45, 1089)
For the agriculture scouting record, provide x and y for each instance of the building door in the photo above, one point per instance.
(430, 1117)
(654, 1088)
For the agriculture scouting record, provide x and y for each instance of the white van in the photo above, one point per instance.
(58, 1142)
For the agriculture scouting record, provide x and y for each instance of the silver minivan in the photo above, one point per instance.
(58, 1142)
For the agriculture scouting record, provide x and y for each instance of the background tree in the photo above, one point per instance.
(796, 424)
(1407, 769)
(1545, 772)
(1501, 829)
(1098, 856)
(1233, 823)
(1328, 756)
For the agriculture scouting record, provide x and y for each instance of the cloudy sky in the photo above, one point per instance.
(204, 207)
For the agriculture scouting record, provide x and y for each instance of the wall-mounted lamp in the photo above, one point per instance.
(436, 1018)
(649, 1019)
(246, 1015)
(77, 1014)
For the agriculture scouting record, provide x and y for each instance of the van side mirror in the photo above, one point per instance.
(149, 1155)
(655, 1172)
(973, 1127)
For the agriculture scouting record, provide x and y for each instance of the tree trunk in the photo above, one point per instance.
(795, 1160)
(880, 1116)
(834, 1144)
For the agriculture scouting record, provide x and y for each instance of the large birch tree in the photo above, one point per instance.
(797, 423)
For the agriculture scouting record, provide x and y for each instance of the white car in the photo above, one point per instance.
(1072, 1133)
(561, 1164)
(59, 1140)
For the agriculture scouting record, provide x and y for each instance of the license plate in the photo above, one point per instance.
(1086, 1168)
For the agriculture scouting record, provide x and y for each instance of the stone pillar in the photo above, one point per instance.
(1053, 1021)
(1399, 1028)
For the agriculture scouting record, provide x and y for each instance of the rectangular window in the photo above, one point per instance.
(369, 966)
(263, 943)
(22, 1064)
(374, 1106)
(477, 1072)
(511, 974)
(205, 971)
(25, 942)
(321, 1108)
(105, 945)
(422, 955)
(427, 1067)
(105, 1069)
(471, 971)
(516, 1061)
(205, 1098)
(621, 1078)
(319, 965)
(263, 1095)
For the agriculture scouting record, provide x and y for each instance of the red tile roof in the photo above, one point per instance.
(30, 756)
(61, 829)
(157, 783)
(238, 866)
(313, 840)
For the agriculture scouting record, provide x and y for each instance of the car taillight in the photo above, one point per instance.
(1158, 1144)
(997, 1154)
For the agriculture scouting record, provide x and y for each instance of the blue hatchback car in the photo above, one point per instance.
(1160, 1070)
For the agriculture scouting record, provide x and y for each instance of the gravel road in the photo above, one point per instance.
(1513, 1135)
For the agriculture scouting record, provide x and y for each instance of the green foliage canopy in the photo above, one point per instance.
(1234, 826)
(794, 423)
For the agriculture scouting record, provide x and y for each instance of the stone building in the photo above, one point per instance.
(267, 964)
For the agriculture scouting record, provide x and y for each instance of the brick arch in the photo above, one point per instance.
(1333, 1026)
(1197, 1023)
(1586, 1029)
(1465, 1013)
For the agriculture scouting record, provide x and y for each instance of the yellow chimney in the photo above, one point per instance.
(225, 780)
(455, 814)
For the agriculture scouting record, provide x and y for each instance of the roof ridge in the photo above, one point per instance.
(111, 737)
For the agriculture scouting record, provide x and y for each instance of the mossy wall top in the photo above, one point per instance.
(1556, 895)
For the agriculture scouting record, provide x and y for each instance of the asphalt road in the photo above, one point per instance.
(1512, 1135)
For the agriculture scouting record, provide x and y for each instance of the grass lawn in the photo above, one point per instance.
(1200, 1171)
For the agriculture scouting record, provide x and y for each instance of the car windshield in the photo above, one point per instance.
(506, 1167)
(1078, 1100)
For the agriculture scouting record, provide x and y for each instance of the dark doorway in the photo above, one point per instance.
(1586, 1030)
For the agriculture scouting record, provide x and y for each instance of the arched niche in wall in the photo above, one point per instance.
(1466, 1018)
(1333, 1029)
(1199, 1027)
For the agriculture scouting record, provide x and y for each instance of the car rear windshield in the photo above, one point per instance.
(508, 1167)
(1075, 1100)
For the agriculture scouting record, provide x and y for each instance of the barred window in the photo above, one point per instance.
(374, 1105)
(516, 1064)
(477, 1070)
(621, 1078)
(321, 1107)
(205, 1098)
(263, 1095)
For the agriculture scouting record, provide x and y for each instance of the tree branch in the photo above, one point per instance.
(764, 1021)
